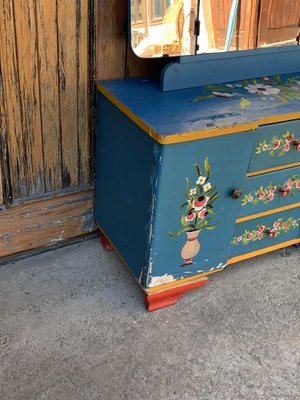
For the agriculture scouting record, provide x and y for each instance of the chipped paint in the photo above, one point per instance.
(160, 280)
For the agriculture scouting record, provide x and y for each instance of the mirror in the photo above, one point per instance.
(161, 28)
(231, 25)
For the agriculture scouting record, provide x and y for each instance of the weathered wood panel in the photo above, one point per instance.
(50, 113)
(12, 102)
(28, 66)
(46, 221)
(84, 26)
(68, 51)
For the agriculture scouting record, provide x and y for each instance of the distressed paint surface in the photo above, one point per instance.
(198, 109)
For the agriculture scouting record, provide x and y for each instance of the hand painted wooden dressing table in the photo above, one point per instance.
(193, 179)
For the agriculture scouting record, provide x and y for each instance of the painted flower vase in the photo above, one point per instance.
(191, 247)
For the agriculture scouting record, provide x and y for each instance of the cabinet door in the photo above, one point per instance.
(174, 252)
(279, 21)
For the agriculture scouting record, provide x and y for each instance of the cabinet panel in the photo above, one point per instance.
(268, 191)
(265, 231)
(172, 191)
(276, 145)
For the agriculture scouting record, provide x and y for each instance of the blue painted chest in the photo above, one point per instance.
(191, 180)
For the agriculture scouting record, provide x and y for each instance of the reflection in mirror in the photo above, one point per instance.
(247, 24)
(163, 27)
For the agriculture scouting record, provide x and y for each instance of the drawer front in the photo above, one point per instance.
(268, 191)
(265, 231)
(275, 145)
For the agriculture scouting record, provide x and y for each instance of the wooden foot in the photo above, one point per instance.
(167, 297)
(105, 242)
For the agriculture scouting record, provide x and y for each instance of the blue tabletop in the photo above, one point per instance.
(207, 107)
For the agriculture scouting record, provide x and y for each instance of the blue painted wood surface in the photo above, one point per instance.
(177, 163)
(125, 175)
(207, 107)
(246, 236)
(205, 69)
(262, 193)
(273, 146)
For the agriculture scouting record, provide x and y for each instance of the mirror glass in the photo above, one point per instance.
(161, 28)
(167, 27)
(247, 24)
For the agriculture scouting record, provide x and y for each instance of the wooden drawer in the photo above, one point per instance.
(268, 191)
(275, 145)
(265, 231)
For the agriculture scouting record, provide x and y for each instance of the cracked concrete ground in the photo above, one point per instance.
(74, 327)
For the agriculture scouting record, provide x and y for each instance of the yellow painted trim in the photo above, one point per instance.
(280, 167)
(188, 136)
(180, 282)
(269, 212)
(262, 251)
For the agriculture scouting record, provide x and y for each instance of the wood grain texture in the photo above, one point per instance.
(46, 13)
(28, 66)
(12, 102)
(83, 95)
(46, 221)
(68, 60)
(111, 39)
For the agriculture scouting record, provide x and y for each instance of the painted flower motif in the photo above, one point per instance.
(240, 238)
(250, 199)
(265, 147)
(276, 144)
(276, 225)
(199, 203)
(294, 222)
(225, 95)
(261, 229)
(298, 185)
(190, 216)
(284, 225)
(193, 191)
(261, 195)
(272, 189)
(270, 196)
(262, 89)
(286, 147)
(201, 180)
(291, 136)
(271, 233)
(202, 214)
(298, 147)
(290, 183)
(249, 235)
(260, 235)
(207, 187)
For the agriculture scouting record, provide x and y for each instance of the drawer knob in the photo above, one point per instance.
(296, 143)
(236, 193)
(284, 191)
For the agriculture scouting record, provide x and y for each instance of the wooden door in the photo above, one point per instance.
(46, 104)
(279, 21)
(244, 36)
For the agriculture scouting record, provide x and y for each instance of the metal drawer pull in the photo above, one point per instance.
(236, 193)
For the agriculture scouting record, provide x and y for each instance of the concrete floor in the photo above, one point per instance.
(73, 326)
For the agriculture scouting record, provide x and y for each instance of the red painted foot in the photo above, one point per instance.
(167, 297)
(105, 242)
